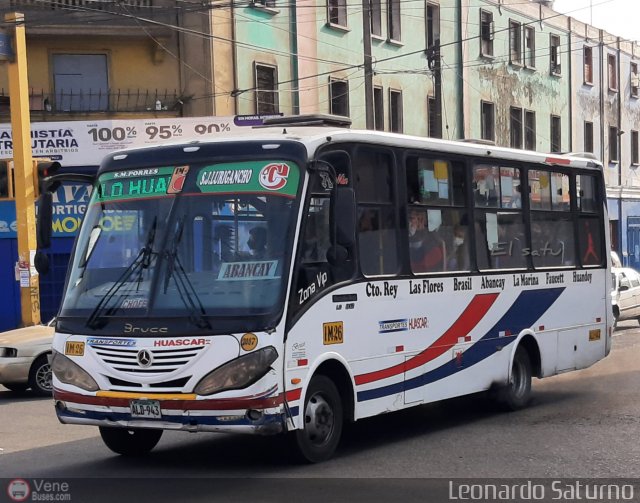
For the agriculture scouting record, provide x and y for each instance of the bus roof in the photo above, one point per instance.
(313, 136)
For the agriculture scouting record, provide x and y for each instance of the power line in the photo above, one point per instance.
(139, 19)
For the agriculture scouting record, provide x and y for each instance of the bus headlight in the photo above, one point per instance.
(71, 373)
(238, 373)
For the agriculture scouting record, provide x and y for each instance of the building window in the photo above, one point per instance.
(266, 83)
(378, 108)
(487, 115)
(486, 33)
(613, 144)
(554, 44)
(339, 97)
(515, 127)
(635, 80)
(635, 160)
(395, 111)
(611, 71)
(530, 130)
(588, 136)
(556, 134)
(393, 8)
(433, 25)
(80, 82)
(434, 119)
(337, 12)
(530, 46)
(515, 43)
(588, 65)
(376, 17)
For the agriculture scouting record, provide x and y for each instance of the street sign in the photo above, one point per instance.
(6, 51)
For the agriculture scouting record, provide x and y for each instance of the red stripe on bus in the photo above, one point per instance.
(240, 403)
(469, 318)
(293, 395)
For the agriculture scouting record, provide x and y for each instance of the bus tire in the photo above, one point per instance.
(130, 442)
(517, 392)
(323, 419)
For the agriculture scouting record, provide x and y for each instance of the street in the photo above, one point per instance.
(580, 424)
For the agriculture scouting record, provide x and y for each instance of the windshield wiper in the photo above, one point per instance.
(186, 291)
(141, 262)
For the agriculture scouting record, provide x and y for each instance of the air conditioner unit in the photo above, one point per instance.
(635, 80)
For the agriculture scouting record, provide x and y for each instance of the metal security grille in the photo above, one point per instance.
(163, 361)
(92, 4)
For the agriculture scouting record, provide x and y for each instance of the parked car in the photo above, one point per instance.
(626, 294)
(24, 358)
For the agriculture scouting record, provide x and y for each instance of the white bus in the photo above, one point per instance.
(307, 275)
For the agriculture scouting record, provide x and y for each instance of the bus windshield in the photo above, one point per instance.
(188, 242)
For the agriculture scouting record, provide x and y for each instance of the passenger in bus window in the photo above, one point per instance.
(257, 242)
(459, 254)
(427, 250)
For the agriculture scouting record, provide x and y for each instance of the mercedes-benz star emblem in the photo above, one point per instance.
(145, 358)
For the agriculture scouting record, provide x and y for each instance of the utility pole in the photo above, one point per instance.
(23, 172)
(433, 60)
(368, 67)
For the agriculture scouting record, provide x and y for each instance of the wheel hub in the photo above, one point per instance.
(319, 420)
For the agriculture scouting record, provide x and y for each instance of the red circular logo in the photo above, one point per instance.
(274, 176)
(18, 490)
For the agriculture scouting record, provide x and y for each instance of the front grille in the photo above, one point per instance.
(175, 383)
(163, 361)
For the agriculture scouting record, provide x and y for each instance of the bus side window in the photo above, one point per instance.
(589, 226)
(590, 240)
(377, 227)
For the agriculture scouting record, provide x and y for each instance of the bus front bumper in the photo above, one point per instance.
(262, 416)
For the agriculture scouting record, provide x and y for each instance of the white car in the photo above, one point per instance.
(24, 358)
(626, 294)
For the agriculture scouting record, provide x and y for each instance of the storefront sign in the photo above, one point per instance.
(81, 143)
(69, 206)
(6, 51)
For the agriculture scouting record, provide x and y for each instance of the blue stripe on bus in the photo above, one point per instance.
(526, 310)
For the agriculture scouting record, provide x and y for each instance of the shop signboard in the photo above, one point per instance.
(85, 143)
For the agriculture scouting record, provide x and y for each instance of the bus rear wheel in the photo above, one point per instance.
(517, 393)
(323, 419)
(130, 442)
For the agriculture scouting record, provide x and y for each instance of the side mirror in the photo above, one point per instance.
(45, 220)
(623, 288)
(41, 262)
(345, 216)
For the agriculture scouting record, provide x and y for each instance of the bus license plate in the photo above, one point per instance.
(148, 409)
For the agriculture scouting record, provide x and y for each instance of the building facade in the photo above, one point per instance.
(512, 72)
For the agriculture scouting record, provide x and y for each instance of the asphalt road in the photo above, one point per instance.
(580, 424)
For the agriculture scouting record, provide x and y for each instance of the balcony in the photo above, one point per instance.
(65, 103)
(94, 17)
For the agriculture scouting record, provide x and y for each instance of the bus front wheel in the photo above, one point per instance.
(323, 419)
(517, 392)
(130, 442)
